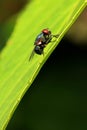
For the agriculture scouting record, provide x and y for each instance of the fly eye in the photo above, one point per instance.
(45, 31)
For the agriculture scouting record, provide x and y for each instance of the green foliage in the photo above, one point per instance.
(16, 72)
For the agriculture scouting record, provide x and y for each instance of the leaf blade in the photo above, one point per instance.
(16, 72)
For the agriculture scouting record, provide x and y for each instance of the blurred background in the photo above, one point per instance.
(57, 99)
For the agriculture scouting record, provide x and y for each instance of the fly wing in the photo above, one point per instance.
(32, 54)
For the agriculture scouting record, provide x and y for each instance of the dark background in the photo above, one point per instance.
(57, 100)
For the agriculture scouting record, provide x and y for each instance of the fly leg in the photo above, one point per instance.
(56, 36)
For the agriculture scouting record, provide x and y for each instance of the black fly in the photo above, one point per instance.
(41, 41)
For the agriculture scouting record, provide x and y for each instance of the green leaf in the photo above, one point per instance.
(16, 71)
